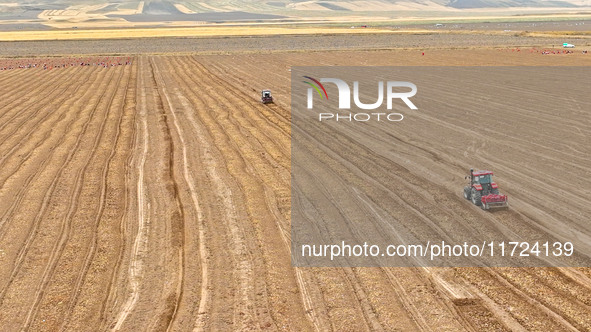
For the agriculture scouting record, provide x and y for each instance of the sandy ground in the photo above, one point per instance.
(157, 197)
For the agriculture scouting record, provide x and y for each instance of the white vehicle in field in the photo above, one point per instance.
(567, 45)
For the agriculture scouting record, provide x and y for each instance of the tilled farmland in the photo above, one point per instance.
(156, 196)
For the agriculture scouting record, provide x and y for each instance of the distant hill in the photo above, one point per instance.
(371, 5)
(390, 8)
(134, 13)
(467, 4)
(263, 5)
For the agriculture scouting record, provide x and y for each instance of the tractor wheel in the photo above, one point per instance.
(467, 193)
(495, 191)
(476, 197)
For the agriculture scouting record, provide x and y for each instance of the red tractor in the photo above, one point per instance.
(483, 192)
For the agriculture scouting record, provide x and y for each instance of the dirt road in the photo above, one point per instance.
(156, 196)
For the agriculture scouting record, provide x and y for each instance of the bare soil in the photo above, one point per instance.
(156, 197)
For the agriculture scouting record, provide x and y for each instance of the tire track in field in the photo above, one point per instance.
(390, 168)
(105, 205)
(237, 230)
(244, 77)
(275, 157)
(21, 84)
(462, 305)
(23, 163)
(526, 311)
(571, 309)
(369, 314)
(66, 226)
(34, 177)
(190, 182)
(151, 303)
(202, 210)
(420, 305)
(526, 288)
(253, 79)
(139, 243)
(462, 125)
(104, 259)
(524, 272)
(240, 251)
(257, 116)
(536, 288)
(406, 277)
(49, 196)
(344, 317)
(112, 207)
(73, 253)
(270, 117)
(20, 133)
(178, 232)
(248, 157)
(530, 287)
(279, 115)
(7, 76)
(32, 103)
(552, 299)
(360, 297)
(129, 172)
(14, 90)
(26, 153)
(240, 122)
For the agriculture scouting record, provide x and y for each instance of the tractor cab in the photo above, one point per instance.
(482, 181)
(266, 97)
(482, 177)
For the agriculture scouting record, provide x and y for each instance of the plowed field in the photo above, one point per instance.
(156, 196)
